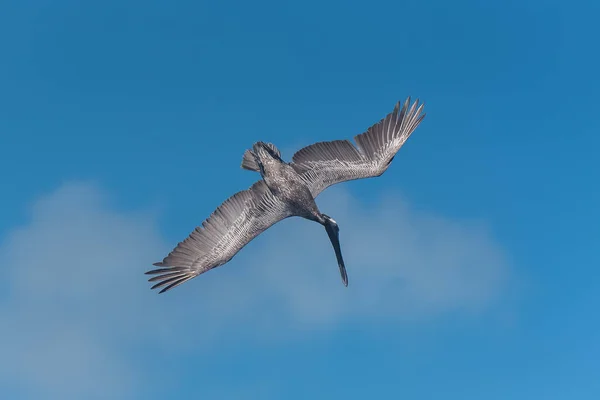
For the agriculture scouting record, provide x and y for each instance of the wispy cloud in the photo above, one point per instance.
(402, 264)
(73, 306)
(77, 307)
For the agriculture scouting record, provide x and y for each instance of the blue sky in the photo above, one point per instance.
(473, 261)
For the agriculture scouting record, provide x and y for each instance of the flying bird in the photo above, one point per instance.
(286, 190)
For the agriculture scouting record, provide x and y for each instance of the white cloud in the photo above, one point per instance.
(77, 304)
(402, 264)
(75, 296)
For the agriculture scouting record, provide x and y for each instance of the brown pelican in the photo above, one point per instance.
(286, 190)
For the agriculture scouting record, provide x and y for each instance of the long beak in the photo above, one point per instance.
(333, 232)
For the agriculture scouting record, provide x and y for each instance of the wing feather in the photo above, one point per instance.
(326, 163)
(223, 234)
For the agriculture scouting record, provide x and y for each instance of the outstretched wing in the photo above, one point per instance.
(326, 163)
(229, 228)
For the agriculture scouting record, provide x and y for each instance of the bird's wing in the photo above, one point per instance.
(229, 228)
(326, 163)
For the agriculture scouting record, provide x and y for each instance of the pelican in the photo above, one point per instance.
(286, 190)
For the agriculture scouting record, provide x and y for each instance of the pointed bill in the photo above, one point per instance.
(333, 232)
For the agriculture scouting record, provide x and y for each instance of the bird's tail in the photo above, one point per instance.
(249, 161)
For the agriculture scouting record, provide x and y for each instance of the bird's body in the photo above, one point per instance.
(286, 190)
(288, 187)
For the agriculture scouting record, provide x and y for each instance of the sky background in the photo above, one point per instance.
(473, 261)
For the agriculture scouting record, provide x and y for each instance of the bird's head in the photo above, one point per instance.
(333, 231)
(327, 220)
